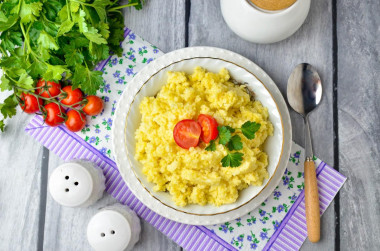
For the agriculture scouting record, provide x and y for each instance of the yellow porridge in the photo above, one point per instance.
(196, 175)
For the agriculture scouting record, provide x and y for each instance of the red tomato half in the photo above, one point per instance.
(209, 127)
(54, 117)
(50, 88)
(186, 133)
(30, 103)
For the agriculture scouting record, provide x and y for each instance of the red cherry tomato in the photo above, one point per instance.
(186, 133)
(30, 103)
(71, 96)
(54, 116)
(48, 87)
(209, 127)
(75, 121)
(94, 105)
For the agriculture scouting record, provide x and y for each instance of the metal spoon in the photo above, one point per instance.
(304, 93)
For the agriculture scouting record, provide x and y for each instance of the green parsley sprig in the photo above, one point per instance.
(233, 143)
(56, 40)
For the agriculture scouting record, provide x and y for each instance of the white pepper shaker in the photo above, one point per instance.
(114, 228)
(77, 184)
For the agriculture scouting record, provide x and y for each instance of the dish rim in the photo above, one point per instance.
(120, 153)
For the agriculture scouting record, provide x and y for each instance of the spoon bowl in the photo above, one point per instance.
(304, 89)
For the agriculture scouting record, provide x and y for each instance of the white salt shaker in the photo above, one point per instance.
(77, 184)
(114, 228)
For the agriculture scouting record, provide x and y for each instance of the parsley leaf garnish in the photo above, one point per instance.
(249, 129)
(224, 135)
(232, 159)
(2, 125)
(211, 147)
(5, 84)
(235, 143)
(232, 130)
(73, 55)
(9, 40)
(30, 12)
(25, 81)
(88, 81)
(8, 108)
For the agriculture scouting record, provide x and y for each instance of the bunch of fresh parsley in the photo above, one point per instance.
(57, 40)
(233, 142)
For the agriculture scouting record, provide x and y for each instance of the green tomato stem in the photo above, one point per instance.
(51, 99)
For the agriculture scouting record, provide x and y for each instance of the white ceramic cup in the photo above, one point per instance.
(261, 26)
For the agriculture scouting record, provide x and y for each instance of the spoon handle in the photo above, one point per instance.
(312, 201)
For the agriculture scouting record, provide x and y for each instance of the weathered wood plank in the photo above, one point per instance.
(358, 32)
(20, 160)
(65, 228)
(161, 23)
(312, 44)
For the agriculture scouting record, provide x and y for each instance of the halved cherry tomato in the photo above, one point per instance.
(48, 87)
(94, 105)
(30, 103)
(75, 121)
(54, 116)
(186, 133)
(71, 96)
(209, 127)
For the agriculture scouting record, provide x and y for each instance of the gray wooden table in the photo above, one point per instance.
(340, 38)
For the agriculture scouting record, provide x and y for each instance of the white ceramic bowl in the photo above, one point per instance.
(260, 26)
(149, 81)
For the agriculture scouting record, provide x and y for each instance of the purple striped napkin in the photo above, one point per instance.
(278, 224)
(292, 232)
(69, 146)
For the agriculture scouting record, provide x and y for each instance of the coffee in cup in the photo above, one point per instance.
(273, 5)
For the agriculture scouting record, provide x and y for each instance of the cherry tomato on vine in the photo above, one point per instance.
(54, 114)
(48, 87)
(186, 133)
(75, 121)
(94, 105)
(29, 103)
(209, 127)
(70, 96)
